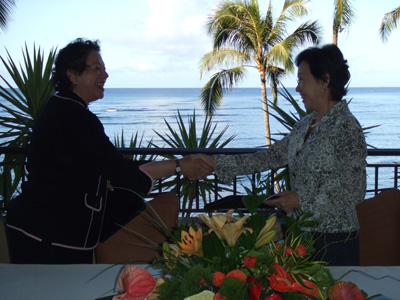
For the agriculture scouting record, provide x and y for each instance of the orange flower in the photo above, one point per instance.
(218, 279)
(191, 242)
(250, 261)
(226, 227)
(301, 250)
(237, 274)
(345, 291)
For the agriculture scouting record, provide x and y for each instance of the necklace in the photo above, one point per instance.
(313, 121)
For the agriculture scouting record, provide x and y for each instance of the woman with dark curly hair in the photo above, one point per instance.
(325, 153)
(79, 186)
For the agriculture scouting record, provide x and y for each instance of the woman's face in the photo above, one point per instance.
(309, 87)
(90, 84)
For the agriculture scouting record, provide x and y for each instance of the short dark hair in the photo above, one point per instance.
(328, 60)
(73, 57)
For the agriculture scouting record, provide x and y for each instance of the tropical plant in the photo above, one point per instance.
(134, 142)
(343, 17)
(22, 102)
(187, 138)
(389, 23)
(243, 36)
(6, 8)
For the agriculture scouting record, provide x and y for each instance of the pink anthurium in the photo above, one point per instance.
(137, 283)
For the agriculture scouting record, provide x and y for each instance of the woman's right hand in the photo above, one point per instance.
(197, 166)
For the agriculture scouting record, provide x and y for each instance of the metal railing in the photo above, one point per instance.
(377, 173)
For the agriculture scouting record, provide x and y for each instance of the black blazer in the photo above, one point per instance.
(69, 161)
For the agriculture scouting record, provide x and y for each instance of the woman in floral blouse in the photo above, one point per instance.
(325, 154)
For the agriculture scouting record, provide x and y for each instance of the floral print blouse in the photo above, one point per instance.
(327, 168)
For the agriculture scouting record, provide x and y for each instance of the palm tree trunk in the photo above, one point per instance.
(265, 109)
(335, 38)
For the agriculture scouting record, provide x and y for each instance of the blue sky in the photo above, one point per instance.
(159, 43)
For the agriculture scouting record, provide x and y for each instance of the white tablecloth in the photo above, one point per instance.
(88, 282)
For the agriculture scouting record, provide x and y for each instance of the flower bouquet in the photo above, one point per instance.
(236, 258)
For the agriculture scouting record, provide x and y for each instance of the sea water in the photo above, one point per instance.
(145, 111)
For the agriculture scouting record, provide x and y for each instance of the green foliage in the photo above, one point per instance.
(24, 103)
(134, 142)
(25, 97)
(6, 8)
(233, 289)
(171, 289)
(197, 279)
(187, 137)
(389, 23)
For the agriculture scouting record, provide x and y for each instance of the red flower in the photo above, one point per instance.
(250, 261)
(137, 283)
(218, 279)
(281, 281)
(254, 288)
(274, 296)
(237, 274)
(312, 288)
(217, 296)
(289, 250)
(301, 250)
(345, 291)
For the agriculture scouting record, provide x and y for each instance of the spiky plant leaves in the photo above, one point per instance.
(186, 137)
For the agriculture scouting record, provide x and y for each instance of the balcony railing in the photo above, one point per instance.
(379, 176)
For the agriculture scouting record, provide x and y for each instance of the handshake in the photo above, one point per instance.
(197, 166)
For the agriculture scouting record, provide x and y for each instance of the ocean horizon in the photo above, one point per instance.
(145, 110)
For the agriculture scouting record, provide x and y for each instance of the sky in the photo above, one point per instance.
(159, 43)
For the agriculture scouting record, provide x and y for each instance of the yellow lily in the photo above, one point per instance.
(192, 242)
(226, 227)
(266, 234)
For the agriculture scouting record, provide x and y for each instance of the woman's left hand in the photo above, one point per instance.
(287, 201)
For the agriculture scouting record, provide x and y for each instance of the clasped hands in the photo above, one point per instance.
(197, 166)
(288, 201)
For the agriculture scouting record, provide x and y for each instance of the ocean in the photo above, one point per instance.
(146, 110)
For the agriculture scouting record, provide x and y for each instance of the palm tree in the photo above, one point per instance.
(389, 23)
(243, 38)
(6, 8)
(343, 17)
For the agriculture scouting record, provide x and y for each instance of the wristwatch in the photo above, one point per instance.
(178, 168)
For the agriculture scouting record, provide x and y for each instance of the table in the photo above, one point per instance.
(87, 282)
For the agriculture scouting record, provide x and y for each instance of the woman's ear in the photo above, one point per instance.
(72, 75)
(326, 81)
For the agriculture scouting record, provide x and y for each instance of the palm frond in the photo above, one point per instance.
(6, 9)
(389, 23)
(212, 93)
(344, 15)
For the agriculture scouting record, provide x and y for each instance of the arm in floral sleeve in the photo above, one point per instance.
(352, 152)
(229, 166)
